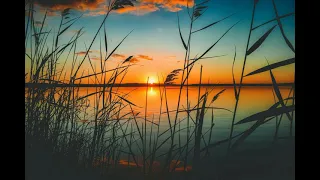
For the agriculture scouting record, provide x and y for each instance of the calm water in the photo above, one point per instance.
(252, 100)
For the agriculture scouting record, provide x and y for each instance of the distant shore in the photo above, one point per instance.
(141, 85)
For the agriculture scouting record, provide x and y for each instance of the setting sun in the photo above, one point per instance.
(151, 80)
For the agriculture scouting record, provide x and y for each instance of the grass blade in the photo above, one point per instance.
(286, 15)
(127, 60)
(233, 80)
(260, 41)
(217, 95)
(184, 44)
(211, 46)
(266, 114)
(118, 45)
(127, 101)
(281, 28)
(272, 66)
(278, 93)
(213, 23)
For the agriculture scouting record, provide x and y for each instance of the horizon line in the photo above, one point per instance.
(151, 85)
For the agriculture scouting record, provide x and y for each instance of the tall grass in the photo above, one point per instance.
(272, 112)
(85, 137)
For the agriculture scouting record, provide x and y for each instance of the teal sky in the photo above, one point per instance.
(155, 36)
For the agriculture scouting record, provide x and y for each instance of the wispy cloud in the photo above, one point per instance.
(82, 52)
(134, 60)
(59, 5)
(99, 7)
(119, 56)
(145, 57)
(95, 58)
(148, 6)
(139, 9)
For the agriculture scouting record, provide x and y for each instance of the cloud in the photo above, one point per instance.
(96, 13)
(50, 12)
(145, 57)
(95, 58)
(147, 6)
(134, 60)
(120, 56)
(82, 52)
(138, 9)
(59, 5)
(171, 5)
(99, 7)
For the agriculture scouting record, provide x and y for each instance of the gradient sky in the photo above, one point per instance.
(156, 44)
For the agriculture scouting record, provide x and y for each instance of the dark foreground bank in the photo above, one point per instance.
(274, 162)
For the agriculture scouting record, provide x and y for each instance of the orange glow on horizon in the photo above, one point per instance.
(151, 80)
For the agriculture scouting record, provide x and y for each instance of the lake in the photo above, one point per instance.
(252, 100)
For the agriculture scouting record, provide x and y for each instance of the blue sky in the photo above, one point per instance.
(156, 36)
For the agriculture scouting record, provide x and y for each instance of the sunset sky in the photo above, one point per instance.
(156, 45)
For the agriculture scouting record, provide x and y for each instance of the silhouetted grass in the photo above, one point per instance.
(78, 138)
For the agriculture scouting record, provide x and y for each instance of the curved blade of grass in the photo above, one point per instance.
(213, 23)
(184, 44)
(249, 131)
(102, 72)
(281, 28)
(278, 103)
(219, 142)
(195, 109)
(69, 25)
(266, 114)
(233, 80)
(127, 60)
(202, 3)
(260, 41)
(105, 39)
(272, 66)
(69, 21)
(278, 93)
(118, 45)
(82, 97)
(217, 95)
(211, 46)
(286, 15)
(210, 57)
(127, 101)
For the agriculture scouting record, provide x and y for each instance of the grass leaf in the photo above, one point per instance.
(213, 23)
(127, 101)
(266, 114)
(286, 15)
(211, 46)
(127, 60)
(257, 44)
(217, 95)
(118, 45)
(272, 66)
(278, 93)
(184, 44)
(233, 80)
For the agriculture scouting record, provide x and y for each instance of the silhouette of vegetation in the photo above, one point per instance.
(68, 136)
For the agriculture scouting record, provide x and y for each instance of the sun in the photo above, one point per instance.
(151, 80)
